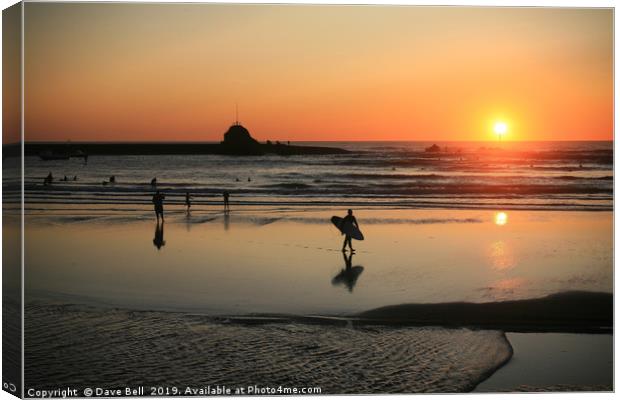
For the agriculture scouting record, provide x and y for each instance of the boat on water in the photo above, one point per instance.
(48, 155)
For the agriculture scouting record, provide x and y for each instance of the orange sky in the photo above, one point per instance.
(111, 72)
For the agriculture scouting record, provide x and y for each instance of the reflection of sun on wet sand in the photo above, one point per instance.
(501, 256)
(501, 218)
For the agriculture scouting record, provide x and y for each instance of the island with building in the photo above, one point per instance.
(237, 142)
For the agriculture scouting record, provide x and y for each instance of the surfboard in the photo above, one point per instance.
(350, 230)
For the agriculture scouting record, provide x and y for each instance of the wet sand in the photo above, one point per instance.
(70, 345)
(555, 362)
(218, 264)
(278, 273)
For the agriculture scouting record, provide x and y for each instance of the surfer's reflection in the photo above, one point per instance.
(188, 222)
(226, 220)
(158, 240)
(348, 276)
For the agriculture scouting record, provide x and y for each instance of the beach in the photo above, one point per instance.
(222, 264)
(266, 272)
(454, 268)
(82, 346)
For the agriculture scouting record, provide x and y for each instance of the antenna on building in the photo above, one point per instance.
(236, 114)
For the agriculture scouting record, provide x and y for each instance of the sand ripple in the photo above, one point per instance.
(75, 346)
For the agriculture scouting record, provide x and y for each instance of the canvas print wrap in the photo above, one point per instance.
(306, 199)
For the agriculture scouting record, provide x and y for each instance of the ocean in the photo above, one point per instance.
(522, 175)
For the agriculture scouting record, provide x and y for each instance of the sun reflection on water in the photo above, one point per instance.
(501, 256)
(501, 218)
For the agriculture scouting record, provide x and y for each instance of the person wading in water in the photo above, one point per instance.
(188, 201)
(226, 205)
(158, 202)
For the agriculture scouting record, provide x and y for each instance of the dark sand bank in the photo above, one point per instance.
(571, 312)
(586, 312)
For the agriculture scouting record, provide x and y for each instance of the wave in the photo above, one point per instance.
(549, 202)
(595, 178)
(434, 185)
(567, 174)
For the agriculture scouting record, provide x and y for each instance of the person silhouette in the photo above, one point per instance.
(158, 202)
(188, 201)
(158, 240)
(154, 182)
(226, 205)
(348, 222)
(349, 275)
(48, 179)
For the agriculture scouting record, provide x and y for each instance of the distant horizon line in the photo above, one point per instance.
(300, 141)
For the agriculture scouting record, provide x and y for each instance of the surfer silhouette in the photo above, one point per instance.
(158, 202)
(348, 222)
(158, 240)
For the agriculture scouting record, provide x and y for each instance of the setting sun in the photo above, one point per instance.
(500, 128)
